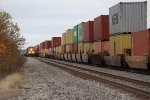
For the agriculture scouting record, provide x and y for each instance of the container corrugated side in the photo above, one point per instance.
(75, 47)
(141, 43)
(128, 17)
(63, 49)
(48, 44)
(101, 28)
(67, 36)
(58, 50)
(80, 47)
(88, 47)
(47, 52)
(105, 46)
(68, 48)
(71, 36)
(97, 47)
(119, 43)
(80, 32)
(56, 41)
(63, 39)
(88, 31)
(75, 37)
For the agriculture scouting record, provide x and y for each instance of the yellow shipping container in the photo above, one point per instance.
(88, 47)
(119, 43)
(68, 49)
(58, 50)
(47, 52)
(63, 39)
(69, 36)
(80, 47)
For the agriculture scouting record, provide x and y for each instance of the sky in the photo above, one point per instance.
(39, 20)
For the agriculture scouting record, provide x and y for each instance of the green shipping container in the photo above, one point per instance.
(75, 36)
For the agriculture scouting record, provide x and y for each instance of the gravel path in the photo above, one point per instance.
(44, 82)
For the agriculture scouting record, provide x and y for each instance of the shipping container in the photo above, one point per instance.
(63, 49)
(141, 43)
(80, 32)
(58, 50)
(63, 39)
(75, 37)
(42, 47)
(53, 50)
(72, 48)
(80, 47)
(105, 46)
(88, 31)
(46, 52)
(97, 47)
(119, 43)
(68, 48)
(101, 28)
(88, 48)
(128, 17)
(69, 36)
(75, 48)
(56, 41)
(48, 44)
(37, 48)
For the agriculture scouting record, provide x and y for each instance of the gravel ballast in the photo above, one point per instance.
(44, 82)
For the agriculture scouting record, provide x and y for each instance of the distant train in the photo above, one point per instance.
(30, 51)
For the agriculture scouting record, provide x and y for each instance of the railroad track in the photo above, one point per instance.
(111, 80)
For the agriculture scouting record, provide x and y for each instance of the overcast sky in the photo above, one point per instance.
(40, 20)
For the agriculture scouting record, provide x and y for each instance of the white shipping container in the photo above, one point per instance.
(128, 17)
(80, 32)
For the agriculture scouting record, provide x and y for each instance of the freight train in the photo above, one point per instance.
(30, 51)
(119, 39)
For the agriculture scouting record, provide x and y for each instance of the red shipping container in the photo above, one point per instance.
(75, 47)
(141, 43)
(88, 31)
(101, 28)
(105, 46)
(56, 41)
(42, 45)
(48, 44)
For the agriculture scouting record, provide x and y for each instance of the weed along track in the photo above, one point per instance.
(135, 87)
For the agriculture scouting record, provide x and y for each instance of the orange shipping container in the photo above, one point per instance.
(141, 43)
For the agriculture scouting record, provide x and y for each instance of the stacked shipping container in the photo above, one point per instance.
(119, 43)
(141, 43)
(125, 18)
(88, 31)
(48, 44)
(101, 33)
(101, 28)
(90, 36)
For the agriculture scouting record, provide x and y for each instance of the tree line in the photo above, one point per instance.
(10, 45)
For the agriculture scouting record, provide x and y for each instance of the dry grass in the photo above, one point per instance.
(9, 87)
